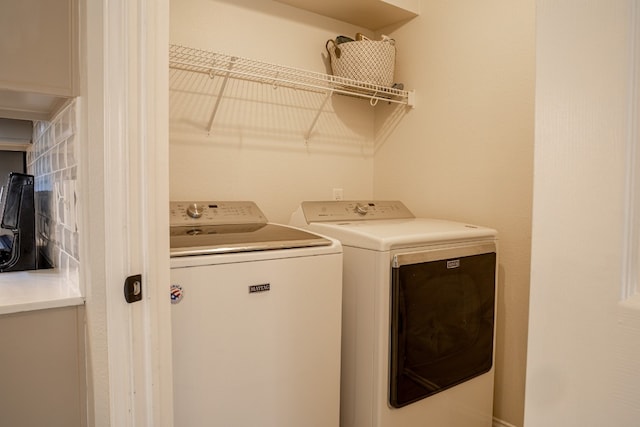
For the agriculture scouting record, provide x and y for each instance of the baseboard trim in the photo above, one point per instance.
(500, 423)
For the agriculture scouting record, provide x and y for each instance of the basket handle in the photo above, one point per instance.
(336, 49)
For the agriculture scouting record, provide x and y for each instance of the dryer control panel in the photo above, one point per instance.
(355, 210)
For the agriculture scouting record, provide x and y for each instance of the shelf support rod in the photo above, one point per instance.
(317, 116)
(220, 94)
(411, 99)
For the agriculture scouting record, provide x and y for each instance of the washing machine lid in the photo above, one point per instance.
(209, 228)
(382, 225)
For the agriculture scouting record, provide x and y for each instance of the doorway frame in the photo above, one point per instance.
(124, 216)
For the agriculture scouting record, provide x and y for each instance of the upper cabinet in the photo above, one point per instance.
(371, 14)
(38, 57)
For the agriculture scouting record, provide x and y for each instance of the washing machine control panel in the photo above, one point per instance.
(214, 213)
(356, 210)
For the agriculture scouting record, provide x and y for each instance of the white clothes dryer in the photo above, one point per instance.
(418, 315)
(256, 319)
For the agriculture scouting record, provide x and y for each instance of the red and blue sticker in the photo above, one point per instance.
(176, 294)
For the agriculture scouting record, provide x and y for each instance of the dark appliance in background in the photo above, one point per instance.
(18, 250)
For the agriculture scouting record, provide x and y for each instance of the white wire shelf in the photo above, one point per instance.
(226, 66)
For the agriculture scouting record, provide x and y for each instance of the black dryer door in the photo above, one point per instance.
(442, 320)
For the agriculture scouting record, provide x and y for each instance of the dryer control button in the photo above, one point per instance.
(362, 209)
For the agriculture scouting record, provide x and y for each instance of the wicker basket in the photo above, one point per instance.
(368, 61)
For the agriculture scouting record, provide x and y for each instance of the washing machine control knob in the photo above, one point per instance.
(195, 210)
(362, 209)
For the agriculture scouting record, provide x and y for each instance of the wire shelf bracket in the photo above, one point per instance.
(317, 116)
(222, 89)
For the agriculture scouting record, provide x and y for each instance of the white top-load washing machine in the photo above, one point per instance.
(418, 315)
(255, 319)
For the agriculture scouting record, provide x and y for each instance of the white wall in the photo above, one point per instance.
(256, 150)
(466, 151)
(583, 366)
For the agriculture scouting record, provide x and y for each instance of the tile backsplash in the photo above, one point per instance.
(53, 160)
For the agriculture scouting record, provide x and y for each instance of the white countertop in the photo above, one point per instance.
(36, 290)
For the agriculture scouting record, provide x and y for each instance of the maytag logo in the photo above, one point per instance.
(259, 288)
(454, 263)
